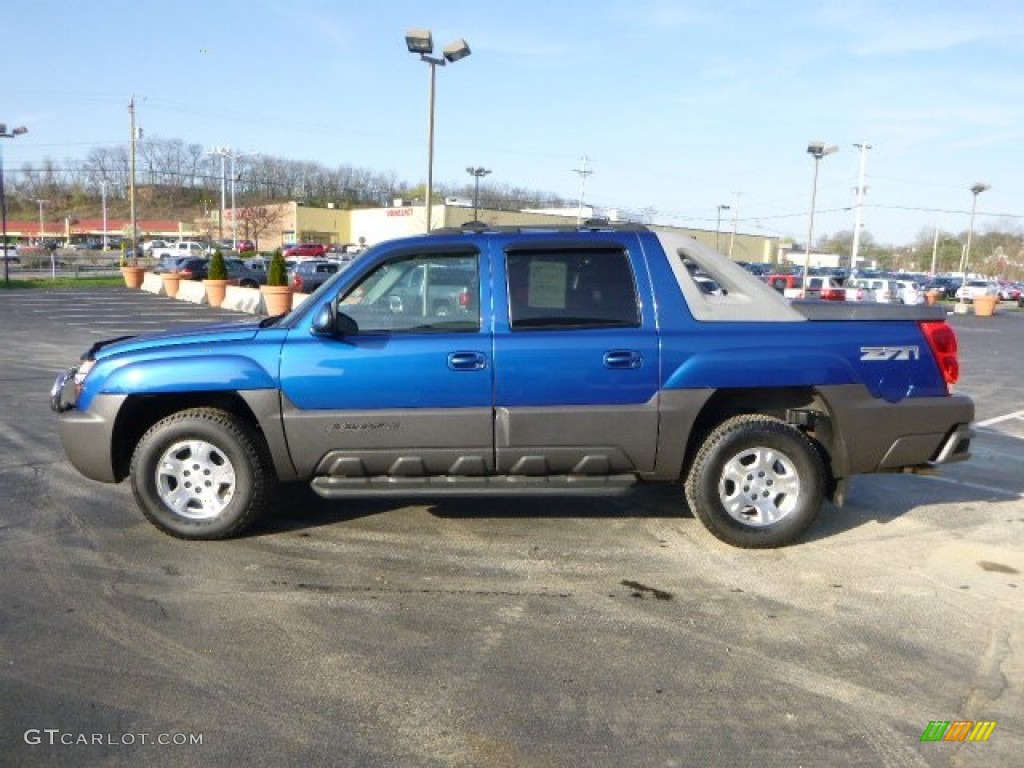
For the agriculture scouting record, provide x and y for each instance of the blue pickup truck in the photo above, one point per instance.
(575, 361)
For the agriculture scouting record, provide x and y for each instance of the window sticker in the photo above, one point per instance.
(548, 281)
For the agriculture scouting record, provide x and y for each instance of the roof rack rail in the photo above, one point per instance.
(589, 225)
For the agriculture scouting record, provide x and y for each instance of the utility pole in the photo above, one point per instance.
(42, 232)
(935, 249)
(861, 191)
(103, 192)
(131, 180)
(583, 172)
(735, 220)
(223, 152)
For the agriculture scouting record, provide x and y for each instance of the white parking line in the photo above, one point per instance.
(977, 487)
(998, 419)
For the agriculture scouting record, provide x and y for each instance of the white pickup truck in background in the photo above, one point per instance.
(828, 288)
(181, 248)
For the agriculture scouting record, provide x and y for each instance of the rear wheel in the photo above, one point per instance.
(756, 482)
(202, 473)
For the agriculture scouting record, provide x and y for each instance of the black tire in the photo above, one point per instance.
(212, 466)
(756, 482)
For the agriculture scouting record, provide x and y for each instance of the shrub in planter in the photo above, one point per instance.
(218, 270)
(277, 273)
(277, 294)
(216, 281)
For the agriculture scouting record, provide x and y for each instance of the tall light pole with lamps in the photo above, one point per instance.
(4, 134)
(224, 153)
(19, 131)
(421, 42)
(477, 173)
(817, 150)
(976, 190)
(718, 224)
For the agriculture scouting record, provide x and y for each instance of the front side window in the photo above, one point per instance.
(426, 293)
(571, 289)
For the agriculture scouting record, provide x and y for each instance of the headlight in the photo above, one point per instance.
(83, 371)
(68, 387)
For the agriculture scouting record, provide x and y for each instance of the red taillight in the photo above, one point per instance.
(942, 340)
(186, 274)
(297, 283)
(464, 298)
(833, 294)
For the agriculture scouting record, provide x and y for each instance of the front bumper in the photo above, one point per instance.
(87, 436)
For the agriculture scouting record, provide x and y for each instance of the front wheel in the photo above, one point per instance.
(202, 473)
(756, 482)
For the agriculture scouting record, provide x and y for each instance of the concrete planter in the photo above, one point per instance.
(985, 306)
(215, 291)
(133, 276)
(277, 298)
(171, 281)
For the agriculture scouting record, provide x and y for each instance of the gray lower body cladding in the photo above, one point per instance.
(878, 436)
(87, 437)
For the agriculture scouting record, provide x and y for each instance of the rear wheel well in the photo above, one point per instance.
(140, 412)
(803, 407)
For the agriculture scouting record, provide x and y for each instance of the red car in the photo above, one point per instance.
(245, 246)
(306, 250)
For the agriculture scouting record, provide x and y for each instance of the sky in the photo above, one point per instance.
(679, 107)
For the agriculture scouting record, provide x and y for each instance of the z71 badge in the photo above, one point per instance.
(876, 354)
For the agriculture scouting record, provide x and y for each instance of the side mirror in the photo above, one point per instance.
(330, 323)
(323, 323)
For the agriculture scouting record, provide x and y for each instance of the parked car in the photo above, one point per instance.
(707, 285)
(245, 246)
(1009, 292)
(910, 293)
(881, 290)
(152, 245)
(305, 250)
(182, 248)
(10, 253)
(945, 285)
(168, 264)
(307, 276)
(239, 272)
(970, 290)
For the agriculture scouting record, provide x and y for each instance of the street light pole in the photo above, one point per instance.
(19, 131)
(223, 152)
(718, 224)
(976, 190)
(234, 209)
(42, 232)
(103, 193)
(817, 150)
(421, 42)
(131, 185)
(477, 173)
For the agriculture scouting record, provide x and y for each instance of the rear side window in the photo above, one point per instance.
(571, 289)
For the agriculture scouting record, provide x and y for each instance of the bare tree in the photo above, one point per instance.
(256, 220)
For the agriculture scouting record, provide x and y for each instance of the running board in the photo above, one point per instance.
(497, 485)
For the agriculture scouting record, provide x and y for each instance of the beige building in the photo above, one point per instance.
(292, 222)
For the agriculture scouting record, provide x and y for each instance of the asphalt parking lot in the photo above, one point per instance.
(501, 633)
